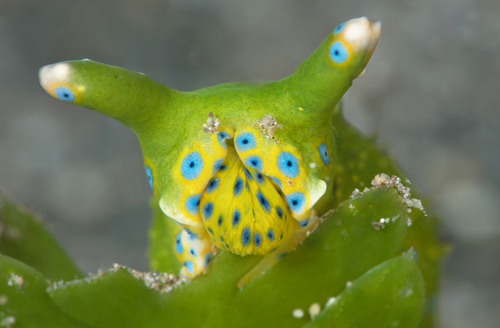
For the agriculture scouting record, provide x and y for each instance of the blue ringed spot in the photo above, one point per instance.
(263, 201)
(207, 210)
(192, 165)
(245, 141)
(270, 234)
(219, 221)
(297, 201)
(339, 28)
(238, 186)
(304, 223)
(178, 243)
(208, 258)
(246, 236)
(255, 162)
(193, 252)
(191, 234)
(64, 93)
(149, 174)
(258, 239)
(288, 164)
(218, 165)
(338, 52)
(279, 211)
(212, 185)
(236, 217)
(248, 174)
(259, 177)
(189, 266)
(323, 152)
(192, 204)
(222, 136)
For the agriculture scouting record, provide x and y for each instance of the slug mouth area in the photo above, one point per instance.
(244, 211)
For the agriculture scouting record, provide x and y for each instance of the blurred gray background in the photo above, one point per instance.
(431, 93)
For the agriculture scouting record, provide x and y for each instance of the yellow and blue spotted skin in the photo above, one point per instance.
(247, 179)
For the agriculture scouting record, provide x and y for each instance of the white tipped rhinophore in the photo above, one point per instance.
(54, 73)
(362, 33)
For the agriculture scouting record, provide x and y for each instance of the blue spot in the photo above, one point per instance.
(246, 236)
(221, 239)
(191, 234)
(207, 210)
(339, 52)
(278, 181)
(178, 243)
(255, 162)
(263, 201)
(193, 252)
(246, 141)
(236, 217)
(339, 28)
(208, 258)
(193, 204)
(282, 255)
(304, 223)
(258, 239)
(64, 93)
(279, 211)
(259, 177)
(288, 164)
(190, 266)
(192, 165)
(212, 185)
(270, 234)
(210, 230)
(149, 173)
(223, 167)
(218, 165)
(219, 221)
(222, 136)
(248, 174)
(323, 152)
(297, 201)
(238, 186)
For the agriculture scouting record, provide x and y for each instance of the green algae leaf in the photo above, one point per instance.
(391, 294)
(342, 249)
(23, 237)
(24, 301)
(359, 160)
(161, 242)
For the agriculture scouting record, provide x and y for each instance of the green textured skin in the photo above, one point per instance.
(27, 302)
(342, 249)
(22, 236)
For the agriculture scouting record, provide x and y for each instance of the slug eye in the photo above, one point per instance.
(339, 28)
(339, 52)
(64, 93)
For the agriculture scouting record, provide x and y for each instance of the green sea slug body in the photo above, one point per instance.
(242, 167)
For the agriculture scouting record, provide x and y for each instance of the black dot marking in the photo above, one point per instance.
(245, 141)
(289, 163)
(191, 164)
(254, 162)
(219, 222)
(222, 167)
(294, 202)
